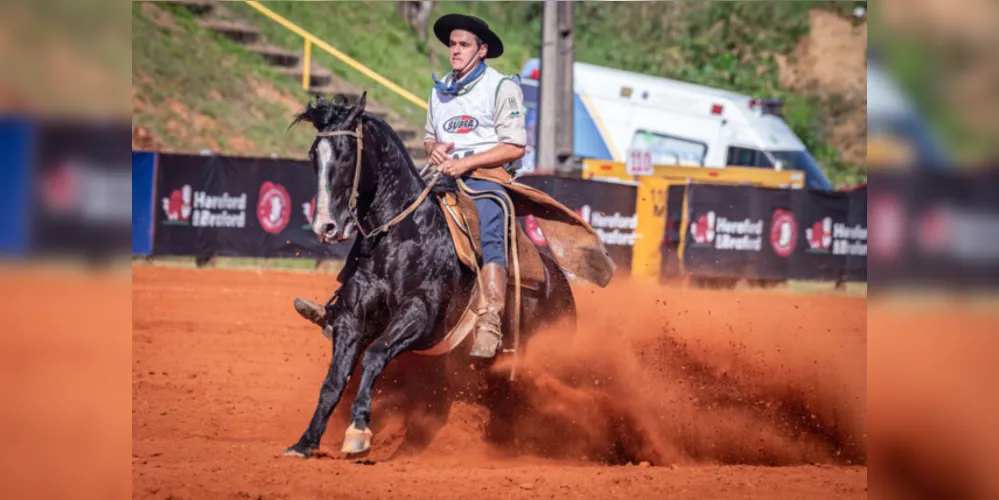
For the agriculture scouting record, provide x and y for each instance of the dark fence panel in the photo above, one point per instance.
(773, 234)
(248, 207)
(608, 207)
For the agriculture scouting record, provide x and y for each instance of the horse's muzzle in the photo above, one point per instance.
(326, 230)
(329, 233)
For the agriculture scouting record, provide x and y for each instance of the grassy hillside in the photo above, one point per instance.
(930, 75)
(193, 90)
(722, 44)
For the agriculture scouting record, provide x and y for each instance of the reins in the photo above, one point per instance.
(358, 135)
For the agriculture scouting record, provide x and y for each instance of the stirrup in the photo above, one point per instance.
(336, 295)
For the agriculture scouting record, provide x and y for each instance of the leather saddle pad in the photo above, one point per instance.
(463, 222)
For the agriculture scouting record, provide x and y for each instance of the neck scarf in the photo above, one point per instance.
(455, 87)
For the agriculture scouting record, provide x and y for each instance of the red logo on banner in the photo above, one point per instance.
(889, 225)
(819, 236)
(273, 207)
(61, 189)
(177, 206)
(783, 233)
(703, 229)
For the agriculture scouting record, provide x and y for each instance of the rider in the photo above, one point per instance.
(475, 125)
(475, 121)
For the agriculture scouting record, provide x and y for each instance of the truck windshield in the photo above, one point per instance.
(801, 160)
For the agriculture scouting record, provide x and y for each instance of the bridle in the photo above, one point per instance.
(358, 135)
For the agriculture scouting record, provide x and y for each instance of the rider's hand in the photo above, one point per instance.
(439, 152)
(453, 168)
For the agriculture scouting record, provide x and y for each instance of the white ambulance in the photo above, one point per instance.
(620, 113)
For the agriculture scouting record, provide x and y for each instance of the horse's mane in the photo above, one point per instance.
(322, 113)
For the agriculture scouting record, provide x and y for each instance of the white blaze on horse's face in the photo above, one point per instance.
(322, 223)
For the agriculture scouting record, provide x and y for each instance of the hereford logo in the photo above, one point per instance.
(186, 207)
(460, 124)
(273, 207)
(177, 206)
(819, 236)
(612, 229)
(710, 230)
(61, 189)
(888, 216)
(703, 229)
(826, 236)
(783, 233)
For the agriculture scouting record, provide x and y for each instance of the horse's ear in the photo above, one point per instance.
(358, 108)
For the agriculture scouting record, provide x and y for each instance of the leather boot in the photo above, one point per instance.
(316, 314)
(488, 332)
(311, 311)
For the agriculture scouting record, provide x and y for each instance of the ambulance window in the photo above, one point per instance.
(666, 149)
(746, 157)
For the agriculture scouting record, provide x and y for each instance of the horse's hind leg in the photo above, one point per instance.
(408, 325)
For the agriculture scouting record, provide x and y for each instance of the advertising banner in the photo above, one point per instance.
(608, 207)
(935, 229)
(248, 207)
(775, 234)
(81, 189)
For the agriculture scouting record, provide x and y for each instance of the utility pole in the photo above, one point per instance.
(548, 102)
(565, 146)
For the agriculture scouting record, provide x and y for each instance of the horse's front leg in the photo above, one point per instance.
(346, 350)
(410, 324)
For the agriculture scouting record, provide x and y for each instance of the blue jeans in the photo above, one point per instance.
(490, 221)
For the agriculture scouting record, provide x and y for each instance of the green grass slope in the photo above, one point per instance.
(729, 45)
(192, 90)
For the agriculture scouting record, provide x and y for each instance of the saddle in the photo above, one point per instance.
(463, 222)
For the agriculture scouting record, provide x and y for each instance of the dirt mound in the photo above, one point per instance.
(832, 59)
(658, 382)
(832, 62)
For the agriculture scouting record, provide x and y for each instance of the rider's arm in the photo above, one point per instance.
(509, 114)
(508, 117)
(430, 136)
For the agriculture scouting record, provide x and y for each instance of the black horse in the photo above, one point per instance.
(409, 287)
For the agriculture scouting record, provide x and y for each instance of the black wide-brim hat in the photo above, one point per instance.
(449, 22)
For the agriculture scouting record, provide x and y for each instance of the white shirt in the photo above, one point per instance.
(488, 111)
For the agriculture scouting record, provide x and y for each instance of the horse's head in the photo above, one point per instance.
(335, 155)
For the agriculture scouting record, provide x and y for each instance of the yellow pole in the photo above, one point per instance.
(684, 224)
(336, 53)
(306, 65)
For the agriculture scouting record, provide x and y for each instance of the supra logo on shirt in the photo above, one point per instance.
(460, 124)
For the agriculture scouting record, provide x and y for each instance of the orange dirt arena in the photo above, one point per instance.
(661, 392)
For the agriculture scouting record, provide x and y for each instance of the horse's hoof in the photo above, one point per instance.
(298, 451)
(356, 441)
